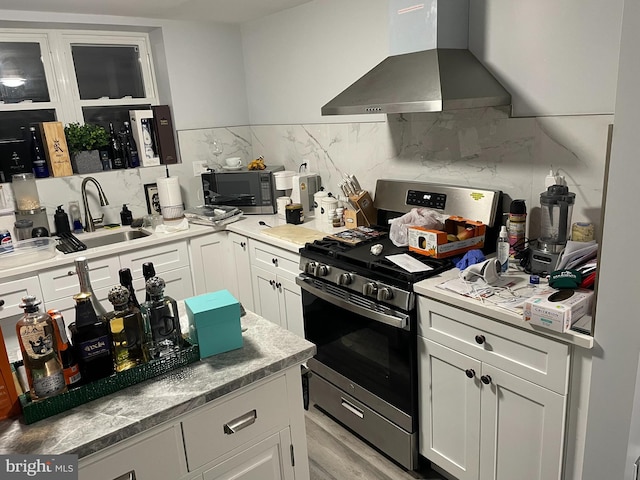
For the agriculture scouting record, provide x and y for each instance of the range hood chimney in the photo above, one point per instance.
(430, 68)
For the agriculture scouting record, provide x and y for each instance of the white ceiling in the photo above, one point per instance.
(228, 11)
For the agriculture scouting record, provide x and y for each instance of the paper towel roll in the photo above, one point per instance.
(170, 197)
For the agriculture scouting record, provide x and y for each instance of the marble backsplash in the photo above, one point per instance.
(479, 147)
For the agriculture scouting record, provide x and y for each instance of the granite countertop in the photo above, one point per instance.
(86, 429)
(430, 288)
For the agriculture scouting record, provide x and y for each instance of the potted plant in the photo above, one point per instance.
(84, 143)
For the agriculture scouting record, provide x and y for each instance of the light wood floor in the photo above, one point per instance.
(337, 454)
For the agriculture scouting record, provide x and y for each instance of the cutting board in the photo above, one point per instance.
(294, 233)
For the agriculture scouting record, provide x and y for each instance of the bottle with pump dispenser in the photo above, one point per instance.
(502, 249)
(126, 217)
(36, 336)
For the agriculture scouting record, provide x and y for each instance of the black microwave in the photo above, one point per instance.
(252, 191)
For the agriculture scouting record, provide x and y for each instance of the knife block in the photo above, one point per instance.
(364, 204)
(354, 219)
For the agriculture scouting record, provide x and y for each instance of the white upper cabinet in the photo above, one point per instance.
(555, 58)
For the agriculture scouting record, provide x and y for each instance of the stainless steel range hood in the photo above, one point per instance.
(424, 80)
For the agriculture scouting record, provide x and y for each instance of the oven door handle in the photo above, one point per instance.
(401, 321)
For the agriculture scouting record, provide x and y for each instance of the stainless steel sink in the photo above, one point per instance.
(124, 236)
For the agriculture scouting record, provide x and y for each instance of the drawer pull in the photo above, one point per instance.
(239, 423)
(352, 408)
(127, 476)
(480, 339)
(1, 303)
(71, 273)
(470, 373)
(486, 379)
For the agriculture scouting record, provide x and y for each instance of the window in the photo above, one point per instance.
(72, 76)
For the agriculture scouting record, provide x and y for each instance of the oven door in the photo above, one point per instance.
(370, 345)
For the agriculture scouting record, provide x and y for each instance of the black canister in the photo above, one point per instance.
(294, 213)
(61, 221)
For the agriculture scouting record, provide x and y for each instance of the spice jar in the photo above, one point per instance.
(294, 213)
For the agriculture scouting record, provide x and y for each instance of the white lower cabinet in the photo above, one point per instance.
(485, 411)
(264, 461)
(254, 434)
(208, 262)
(240, 282)
(276, 296)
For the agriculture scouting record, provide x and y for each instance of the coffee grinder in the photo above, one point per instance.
(556, 207)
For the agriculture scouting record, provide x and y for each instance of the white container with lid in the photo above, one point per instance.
(284, 179)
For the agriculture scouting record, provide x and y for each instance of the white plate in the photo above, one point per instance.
(227, 167)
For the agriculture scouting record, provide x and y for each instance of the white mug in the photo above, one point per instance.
(233, 161)
(282, 203)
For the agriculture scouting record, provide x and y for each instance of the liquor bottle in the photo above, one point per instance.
(126, 280)
(162, 321)
(67, 357)
(127, 330)
(38, 159)
(36, 337)
(82, 270)
(91, 340)
(148, 271)
(115, 149)
(130, 147)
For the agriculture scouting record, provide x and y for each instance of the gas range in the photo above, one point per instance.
(359, 309)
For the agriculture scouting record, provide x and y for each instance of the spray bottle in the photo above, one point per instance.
(502, 249)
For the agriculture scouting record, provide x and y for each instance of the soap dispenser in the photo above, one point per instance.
(125, 215)
(61, 221)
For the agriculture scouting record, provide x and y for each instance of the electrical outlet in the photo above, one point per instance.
(199, 168)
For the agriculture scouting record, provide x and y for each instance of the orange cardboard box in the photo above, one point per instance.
(435, 243)
(9, 403)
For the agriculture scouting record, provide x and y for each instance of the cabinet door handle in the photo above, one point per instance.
(480, 339)
(272, 282)
(242, 244)
(486, 379)
(278, 285)
(274, 261)
(470, 372)
(352, 408)
(127, 476)
(1, 303)
(239, 423)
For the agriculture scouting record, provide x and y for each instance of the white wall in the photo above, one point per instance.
(613, 428)
(556, 58)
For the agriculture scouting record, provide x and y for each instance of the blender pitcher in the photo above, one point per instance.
(556, 205)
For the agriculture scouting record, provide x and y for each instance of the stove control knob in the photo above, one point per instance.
(384, 293)
(370, 289)
(345, 279)
(310, 268)
(323, 270)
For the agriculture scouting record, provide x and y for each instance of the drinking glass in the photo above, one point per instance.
(216, 149)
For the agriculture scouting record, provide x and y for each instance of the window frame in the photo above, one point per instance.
(57, 59)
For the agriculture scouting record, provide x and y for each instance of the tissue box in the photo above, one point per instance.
(436, 243)
(558, 310)
(214, 322)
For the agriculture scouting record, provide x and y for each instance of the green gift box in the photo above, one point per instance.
(214, 322)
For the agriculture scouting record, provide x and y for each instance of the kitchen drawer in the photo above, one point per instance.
(159, 456)
(62, 282)
(165, 257)
(12, 291)
(538, 359)
(207, 434)
(273, 259)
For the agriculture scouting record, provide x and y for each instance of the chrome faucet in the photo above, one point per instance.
(89, 222)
